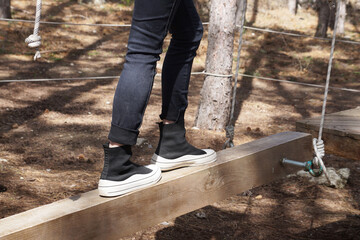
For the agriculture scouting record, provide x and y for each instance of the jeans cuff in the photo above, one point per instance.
(173, 116)
(123, 135)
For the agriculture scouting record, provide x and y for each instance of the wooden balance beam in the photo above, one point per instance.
(89, 216)
(341, 132)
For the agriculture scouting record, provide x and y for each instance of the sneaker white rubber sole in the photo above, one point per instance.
(184, 161)
(108, 188)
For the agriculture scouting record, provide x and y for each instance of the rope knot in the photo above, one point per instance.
(319, 149)
(33, 41)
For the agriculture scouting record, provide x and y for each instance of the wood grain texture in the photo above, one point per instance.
(89, 216)
(341, 132)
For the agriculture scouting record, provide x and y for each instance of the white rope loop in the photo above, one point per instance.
(34, 40)
(319, 149)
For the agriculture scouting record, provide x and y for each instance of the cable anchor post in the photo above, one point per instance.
(307, 166)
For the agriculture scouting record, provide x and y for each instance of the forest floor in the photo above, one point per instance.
(51, 133)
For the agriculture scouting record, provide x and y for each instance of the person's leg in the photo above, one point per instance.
(150, 24)
(173, 150)
(187, 31)
(151, 20)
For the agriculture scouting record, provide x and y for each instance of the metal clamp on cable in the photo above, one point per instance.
(230, 133)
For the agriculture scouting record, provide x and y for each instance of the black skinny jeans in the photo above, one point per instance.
(152, 19)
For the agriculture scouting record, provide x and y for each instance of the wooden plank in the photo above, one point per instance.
(341, 132)
(89, 216)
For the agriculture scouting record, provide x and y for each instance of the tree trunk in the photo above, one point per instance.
(323, 18)
(330, 15)
(342, 17)
(292, 5)
(98, 2)
(214, 109)
(5, 9)
(240, 5)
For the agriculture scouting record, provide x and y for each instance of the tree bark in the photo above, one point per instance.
(327, 17)
(5, 11)
(323, 18)
(215, 101)
(333, 8)
(240, 5)
(292, 5)
(342, 17)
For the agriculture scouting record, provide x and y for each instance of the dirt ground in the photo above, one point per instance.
(51, 133)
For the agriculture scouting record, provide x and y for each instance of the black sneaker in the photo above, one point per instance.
(121, 176)
(174, 151)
